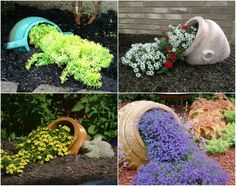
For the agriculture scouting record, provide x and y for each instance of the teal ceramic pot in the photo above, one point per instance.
(18, 38)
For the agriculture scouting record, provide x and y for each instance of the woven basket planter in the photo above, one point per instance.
(80, 134)
(130, 141)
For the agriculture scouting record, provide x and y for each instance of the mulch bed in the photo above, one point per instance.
(67, 170)
(226, 160)
(219, 77)
(13, 63)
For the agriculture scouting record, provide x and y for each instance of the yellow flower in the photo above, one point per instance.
(39, 157)
(19, 171)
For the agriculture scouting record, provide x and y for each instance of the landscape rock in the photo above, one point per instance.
(9, 87)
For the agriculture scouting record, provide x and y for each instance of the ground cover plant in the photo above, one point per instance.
(103, 31)
(39, 146)
(82, 59)
(174, 158)
(160, 55)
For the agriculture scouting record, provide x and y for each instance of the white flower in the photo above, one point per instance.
(136, 70)
(138, 75)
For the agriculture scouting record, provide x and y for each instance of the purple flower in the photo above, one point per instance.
(165, 139)
(174, 157)
(197, 170)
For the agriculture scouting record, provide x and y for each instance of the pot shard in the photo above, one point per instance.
(132, 147)
(80, 134)
(210, 45)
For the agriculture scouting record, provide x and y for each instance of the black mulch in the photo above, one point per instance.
(219, 77)
(13, 63)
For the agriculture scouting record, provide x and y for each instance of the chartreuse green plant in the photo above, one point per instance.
(78, 57)
(226, 141)
(39, 146)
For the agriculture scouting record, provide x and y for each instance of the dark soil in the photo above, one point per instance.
(67, 170)
(219, 77)
(13, 63)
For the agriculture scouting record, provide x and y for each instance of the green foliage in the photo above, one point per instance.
(23, 112)
(80, 58)
(226, 140)
(99, 115)
(39, 146)
(38, 32)
(229, 115)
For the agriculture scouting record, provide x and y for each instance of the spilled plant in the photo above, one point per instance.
(174, 158)
(79, 58)
(160, 55)
(40, 146)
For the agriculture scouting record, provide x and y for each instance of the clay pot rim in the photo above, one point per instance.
(80, 134)
(200, 21)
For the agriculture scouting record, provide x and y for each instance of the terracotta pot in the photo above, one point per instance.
(80, 134)
(210, 45)
(130, 141)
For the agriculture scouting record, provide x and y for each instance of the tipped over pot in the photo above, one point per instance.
(130, 141)
(80, 134)
(210, 45)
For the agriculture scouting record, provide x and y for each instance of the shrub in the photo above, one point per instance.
(99, 115)
(39, 146)
(163, 136)
(206, 117)
(197, 170)
(23, 112)
(80, 58)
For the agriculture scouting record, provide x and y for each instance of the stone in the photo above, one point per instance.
(49, 88)
(9, 87)
(98, 148)
(210, 45)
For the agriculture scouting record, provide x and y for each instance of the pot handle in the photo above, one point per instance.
(15, 44)
(207, 55)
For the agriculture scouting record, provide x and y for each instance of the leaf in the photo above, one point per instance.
(78, 107)
(91, 129)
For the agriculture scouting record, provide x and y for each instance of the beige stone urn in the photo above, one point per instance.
(210, 45)
(130, 142)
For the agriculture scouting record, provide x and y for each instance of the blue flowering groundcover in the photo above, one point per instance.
(174, 157)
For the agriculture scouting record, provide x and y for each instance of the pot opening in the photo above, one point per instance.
(68, 124)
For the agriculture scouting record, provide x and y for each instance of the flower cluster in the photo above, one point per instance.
(174, 157)
(165, 139)
(161, 54)
(39, 146)
(197, 170)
